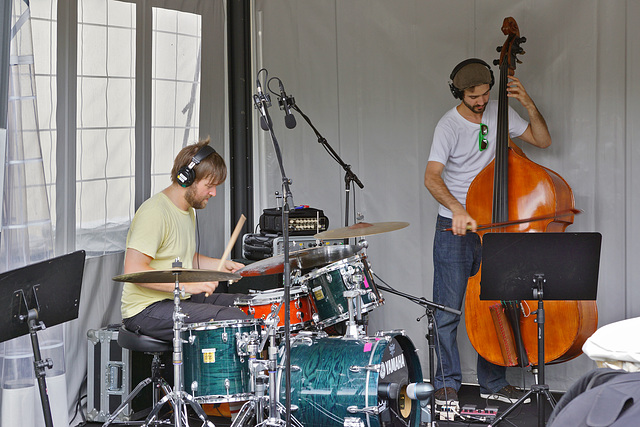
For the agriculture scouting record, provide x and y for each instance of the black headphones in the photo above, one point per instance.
(186, 175)
(457, 93)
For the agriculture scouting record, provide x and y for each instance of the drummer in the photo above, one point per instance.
(163, 229)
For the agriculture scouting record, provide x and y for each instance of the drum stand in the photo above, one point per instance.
(255, 408)
(353, 329)
(178, 397)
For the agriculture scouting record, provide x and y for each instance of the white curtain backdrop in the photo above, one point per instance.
(26, 238)
(372, 76)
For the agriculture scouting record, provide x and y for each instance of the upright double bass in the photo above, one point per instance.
(512, 188)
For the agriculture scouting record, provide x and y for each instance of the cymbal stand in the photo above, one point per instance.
(178, 396)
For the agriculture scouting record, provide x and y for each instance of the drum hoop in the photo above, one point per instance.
(219, 324)
(332, 267)
(254, 300)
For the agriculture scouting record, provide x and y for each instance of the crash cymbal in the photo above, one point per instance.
(361, 229)
(184, 275)
(305, 258)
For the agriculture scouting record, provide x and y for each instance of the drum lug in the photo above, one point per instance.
(251, 310)
(357, 278)
(369, 410)
(225, 336)
(194, 388)
(297, 304)
(371, 368)
(300, 315)
(227, 384)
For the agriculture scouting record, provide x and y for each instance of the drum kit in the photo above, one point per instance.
(347, 380)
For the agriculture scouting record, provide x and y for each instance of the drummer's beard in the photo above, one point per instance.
(194, 202)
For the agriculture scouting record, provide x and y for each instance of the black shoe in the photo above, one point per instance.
(508, 394)
(446, 395)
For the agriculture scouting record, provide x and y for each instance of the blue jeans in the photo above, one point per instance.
(455, 259)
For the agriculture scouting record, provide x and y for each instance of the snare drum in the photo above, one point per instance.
(216, 359)
(262, 304)
(334, 378)
(327, 284)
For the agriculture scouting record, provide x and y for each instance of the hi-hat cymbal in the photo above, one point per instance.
(361, 229)
(183, 275)
(305, 258)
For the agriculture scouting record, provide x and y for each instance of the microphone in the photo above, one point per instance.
(419, 391)
(388, 391)
(262, 101)
(285, 104)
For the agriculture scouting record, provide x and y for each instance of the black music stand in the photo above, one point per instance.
(37, 296)
(515, 266)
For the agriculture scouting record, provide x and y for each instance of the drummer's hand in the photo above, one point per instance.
(231, 266)
(200, 287)
(462, 222)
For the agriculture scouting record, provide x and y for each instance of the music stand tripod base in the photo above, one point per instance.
(568, 261)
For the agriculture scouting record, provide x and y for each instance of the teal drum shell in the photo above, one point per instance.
(327, 284)
(215, 363)
(331, 377)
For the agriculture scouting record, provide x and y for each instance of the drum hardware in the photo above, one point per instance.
(368, 410)
(177, 396)
(256, 405)
(370, 368)
(353, 329)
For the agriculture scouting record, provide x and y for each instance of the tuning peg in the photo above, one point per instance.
(496, 62)
(499, 49)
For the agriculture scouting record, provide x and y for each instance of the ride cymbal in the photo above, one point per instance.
(361, 229)
(183, 275)
(302, 259)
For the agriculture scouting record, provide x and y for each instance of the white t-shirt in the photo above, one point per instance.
(456, 146)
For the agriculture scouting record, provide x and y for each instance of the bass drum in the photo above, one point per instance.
(337, 378)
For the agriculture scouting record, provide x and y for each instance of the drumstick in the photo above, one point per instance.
(232, 241)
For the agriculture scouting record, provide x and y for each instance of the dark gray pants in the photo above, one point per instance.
(157, 319)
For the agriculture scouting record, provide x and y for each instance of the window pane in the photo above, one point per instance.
(44, 32)
(105, 124)
(176, 89)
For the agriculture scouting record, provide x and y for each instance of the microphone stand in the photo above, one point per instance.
(430, 308)
(261, 103)
(349, 175)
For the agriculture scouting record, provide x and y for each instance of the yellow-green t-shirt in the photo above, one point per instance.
(164, 232)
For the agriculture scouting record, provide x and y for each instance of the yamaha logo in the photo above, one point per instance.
(392, 365)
